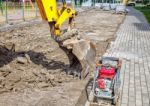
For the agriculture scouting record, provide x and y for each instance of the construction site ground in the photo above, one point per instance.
(33, 67)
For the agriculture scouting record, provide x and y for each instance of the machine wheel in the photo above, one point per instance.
(114, 101)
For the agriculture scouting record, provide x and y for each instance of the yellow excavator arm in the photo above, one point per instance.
(125, 2)
(55, 17)
(81, 52)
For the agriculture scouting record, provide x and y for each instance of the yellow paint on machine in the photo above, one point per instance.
(50, 13)
(48, 9)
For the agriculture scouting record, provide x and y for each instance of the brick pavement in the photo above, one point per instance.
(133, 46)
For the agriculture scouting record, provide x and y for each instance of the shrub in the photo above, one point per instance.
(148, 5)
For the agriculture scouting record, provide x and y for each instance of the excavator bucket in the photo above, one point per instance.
(85, 56)
(81, 53)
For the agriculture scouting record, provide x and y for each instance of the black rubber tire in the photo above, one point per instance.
(114, 101)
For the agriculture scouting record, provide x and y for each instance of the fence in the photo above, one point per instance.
(22, 10)
(17, 10)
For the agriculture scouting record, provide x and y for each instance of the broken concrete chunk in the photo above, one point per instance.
(8, 86)
(21, 60)
(50, 76)
(3, 91)
(28, 58)
(43, 85)
(69, 34)
(43, 72)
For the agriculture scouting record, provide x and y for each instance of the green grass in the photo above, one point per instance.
(145, 11)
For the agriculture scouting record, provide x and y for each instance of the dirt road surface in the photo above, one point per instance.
(33, 67)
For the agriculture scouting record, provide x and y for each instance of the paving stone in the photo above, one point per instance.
(138, 102)
(132, 104)
(146, 105)
(124, 104)
(132, 45)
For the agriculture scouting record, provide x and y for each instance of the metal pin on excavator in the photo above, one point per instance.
(81, 52)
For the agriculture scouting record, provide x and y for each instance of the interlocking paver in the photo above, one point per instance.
(133, 46)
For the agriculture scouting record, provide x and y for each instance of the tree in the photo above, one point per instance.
(1, 6)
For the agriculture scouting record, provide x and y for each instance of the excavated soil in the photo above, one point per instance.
(31, 63)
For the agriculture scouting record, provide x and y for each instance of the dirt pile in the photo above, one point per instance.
(19, 70)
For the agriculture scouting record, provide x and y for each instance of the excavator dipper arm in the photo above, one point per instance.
(67, 13)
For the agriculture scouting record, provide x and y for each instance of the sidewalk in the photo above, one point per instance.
(133, 46)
